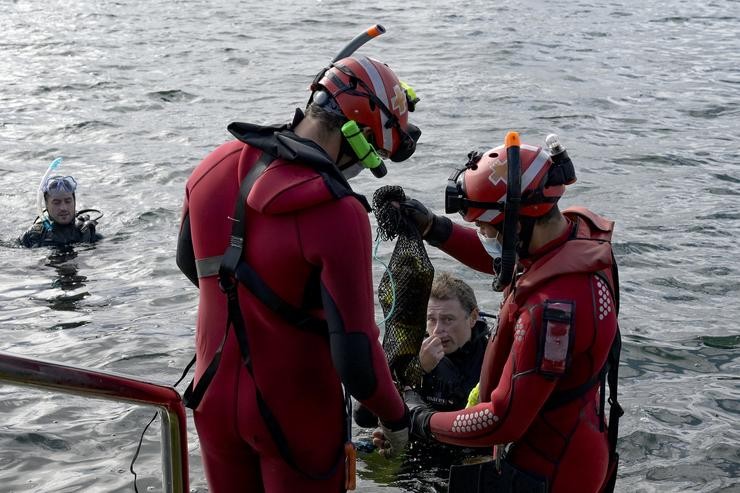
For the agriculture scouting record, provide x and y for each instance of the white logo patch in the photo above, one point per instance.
(399, 99)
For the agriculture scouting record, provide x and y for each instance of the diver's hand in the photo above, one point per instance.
(391, 438)
(419, 215)
(420, 414)
(390, 443)
(431, 353)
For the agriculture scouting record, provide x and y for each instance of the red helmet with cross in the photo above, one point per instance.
(369, 92)
(486, 183)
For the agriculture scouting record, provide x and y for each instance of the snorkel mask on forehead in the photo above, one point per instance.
(60, 184)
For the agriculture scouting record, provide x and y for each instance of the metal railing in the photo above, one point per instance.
(47, 375)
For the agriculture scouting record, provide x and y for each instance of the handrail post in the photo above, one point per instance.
(46, 375)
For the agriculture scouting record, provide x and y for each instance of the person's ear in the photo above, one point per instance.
(368, 133)
(474, 316)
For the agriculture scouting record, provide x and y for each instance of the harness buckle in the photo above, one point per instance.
(614, 404)
(236, 241)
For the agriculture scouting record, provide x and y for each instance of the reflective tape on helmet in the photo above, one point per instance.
(535, 168)
(380, 91)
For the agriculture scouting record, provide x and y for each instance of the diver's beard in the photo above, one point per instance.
(63, 221)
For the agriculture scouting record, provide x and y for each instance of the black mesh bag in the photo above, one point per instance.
(412, 273)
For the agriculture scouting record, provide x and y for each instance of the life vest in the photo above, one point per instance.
(587, 250)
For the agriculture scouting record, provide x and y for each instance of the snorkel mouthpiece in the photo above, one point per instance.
(363, 149)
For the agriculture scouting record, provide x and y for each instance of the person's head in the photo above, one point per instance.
(59, 196)
(368, 92)
(483, 190)
(452, 312)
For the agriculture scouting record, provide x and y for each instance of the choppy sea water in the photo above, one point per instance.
(645, 95)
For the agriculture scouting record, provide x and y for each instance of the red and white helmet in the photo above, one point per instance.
(368, 92)
(486, 183)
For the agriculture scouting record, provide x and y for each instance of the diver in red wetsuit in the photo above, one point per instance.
(280, 247)
(557, 326)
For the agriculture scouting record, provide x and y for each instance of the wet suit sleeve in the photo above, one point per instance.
(514, 403)
(341, 246)
(32, 237)
(464, 245)
(185, 257)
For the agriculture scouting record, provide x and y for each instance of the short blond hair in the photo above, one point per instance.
(448, 287)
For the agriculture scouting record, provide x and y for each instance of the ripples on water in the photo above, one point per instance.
(645, 96)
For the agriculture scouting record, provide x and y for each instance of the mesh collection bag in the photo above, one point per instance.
(410, 274)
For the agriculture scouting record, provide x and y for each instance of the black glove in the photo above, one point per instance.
(419, 214)
(420, 413)
(433, 228)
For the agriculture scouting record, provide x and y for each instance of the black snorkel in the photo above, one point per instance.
(357, 41)
(511, 212)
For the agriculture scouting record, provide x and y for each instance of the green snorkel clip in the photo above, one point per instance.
(363, 149)
(411, 97)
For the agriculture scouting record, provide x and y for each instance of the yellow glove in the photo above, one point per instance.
(474, 397)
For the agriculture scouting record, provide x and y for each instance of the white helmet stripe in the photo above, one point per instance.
(527, 178)
(380, 92)
(488, 215)
(534, 168)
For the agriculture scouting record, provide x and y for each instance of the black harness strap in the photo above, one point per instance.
(237, 322)
(615, 412)
(194, 394)
(246, 275)
(563, 397)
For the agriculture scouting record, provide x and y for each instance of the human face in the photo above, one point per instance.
(448, 320)
(61, 207)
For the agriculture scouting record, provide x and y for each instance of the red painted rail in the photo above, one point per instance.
(28, 372)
